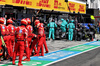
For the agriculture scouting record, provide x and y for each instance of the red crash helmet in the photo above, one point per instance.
(9, 21)
(23, 21)
(36, 22)
(28, 20)
(2, 20)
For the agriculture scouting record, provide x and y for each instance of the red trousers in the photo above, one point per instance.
(36, 41)
(12, 41)
(45, 44)
(0, 42)
(40, 46)
(34, 45)
(8, 45)
(27, 49)
(19, 46)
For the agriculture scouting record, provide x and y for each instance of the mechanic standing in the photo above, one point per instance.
(70, 26)
(12, 35)
(41, 39)
(21, 40)
(51, 26)
(30, 36)
(7, 42)
(35, 41)
(3, 32)
(44, 36)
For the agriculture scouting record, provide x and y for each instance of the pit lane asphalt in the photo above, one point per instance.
(62, 44)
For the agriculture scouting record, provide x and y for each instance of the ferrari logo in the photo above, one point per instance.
(3, 30)
(20, 34)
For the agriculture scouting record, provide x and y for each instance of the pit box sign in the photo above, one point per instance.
(61, 5)
(56, 5)
(22, 3)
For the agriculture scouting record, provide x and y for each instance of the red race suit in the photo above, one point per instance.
(30, 36)
(41, 40)
(21, 37)
(12, 38)
(7, 42)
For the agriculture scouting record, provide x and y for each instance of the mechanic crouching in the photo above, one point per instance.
(79, 32)
(92, 31)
